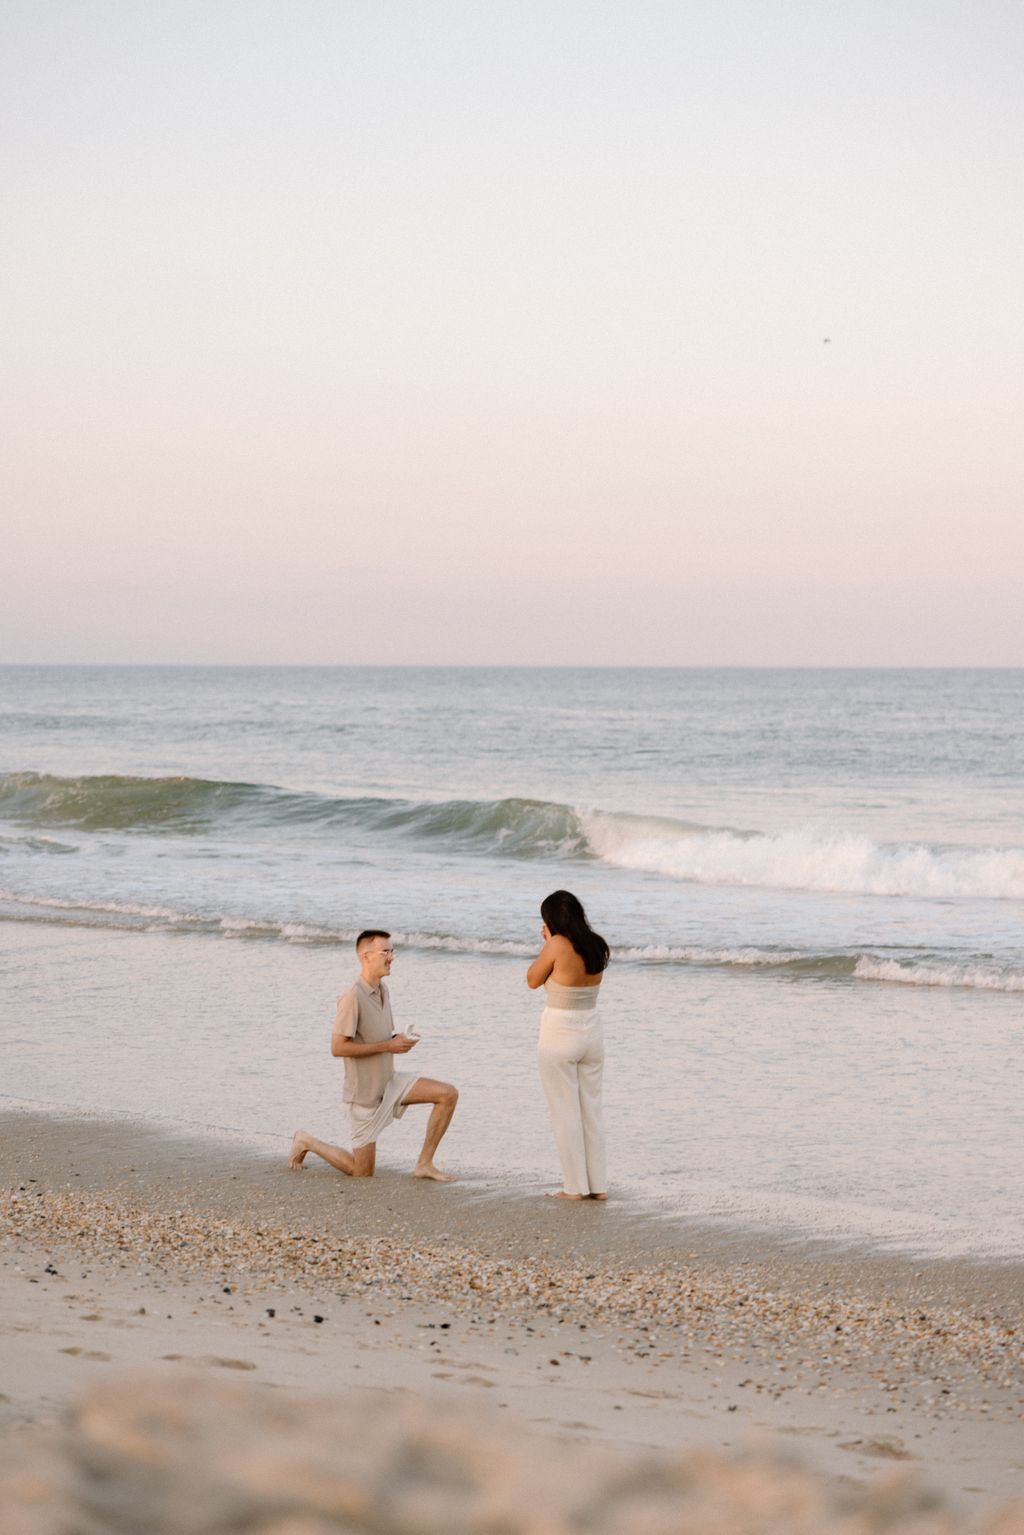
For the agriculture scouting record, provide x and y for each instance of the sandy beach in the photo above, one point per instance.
(125, 1249)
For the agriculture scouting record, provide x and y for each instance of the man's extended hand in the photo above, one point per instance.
(401, 1043)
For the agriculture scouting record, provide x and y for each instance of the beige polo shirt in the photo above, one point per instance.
(364, 1013)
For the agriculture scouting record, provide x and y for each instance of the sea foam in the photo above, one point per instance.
(803, 860)
(971, 976)
(788, 963)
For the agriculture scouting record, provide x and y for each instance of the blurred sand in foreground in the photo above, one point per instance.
(201, 1457)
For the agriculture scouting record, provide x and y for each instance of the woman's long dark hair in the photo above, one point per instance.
(563, 914)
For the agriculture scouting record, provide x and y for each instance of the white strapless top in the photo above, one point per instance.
(573, 999)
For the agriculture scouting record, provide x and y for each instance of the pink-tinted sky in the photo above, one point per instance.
(497, 331)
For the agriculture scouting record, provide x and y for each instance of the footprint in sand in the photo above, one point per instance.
(885, 1448)
(87, 1353)
(208, 1360)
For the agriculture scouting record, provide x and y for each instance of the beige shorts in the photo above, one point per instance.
(369, 1120)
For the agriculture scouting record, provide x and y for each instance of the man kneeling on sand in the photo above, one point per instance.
(364, 1034)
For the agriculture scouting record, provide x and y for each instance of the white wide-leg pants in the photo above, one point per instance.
(570, 1052)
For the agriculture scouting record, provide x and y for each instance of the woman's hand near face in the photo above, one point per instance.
(543, 964)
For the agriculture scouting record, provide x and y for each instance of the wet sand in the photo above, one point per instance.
(122, 1247)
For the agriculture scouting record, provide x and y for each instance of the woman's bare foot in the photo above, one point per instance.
(428, 1170)
(298, 1151)
(561, 1195)
(601, 1197)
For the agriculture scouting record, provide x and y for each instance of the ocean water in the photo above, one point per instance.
(813, 883)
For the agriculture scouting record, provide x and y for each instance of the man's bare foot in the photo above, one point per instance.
(428, 1170)
(601, 1197)
(561, 1195)
(298, 1151)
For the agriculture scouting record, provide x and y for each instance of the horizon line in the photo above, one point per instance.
(538, 666)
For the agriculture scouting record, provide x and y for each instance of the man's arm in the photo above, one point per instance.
(346, 1022)
(397, 1045)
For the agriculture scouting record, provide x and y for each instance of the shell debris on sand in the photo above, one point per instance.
(951, 1351)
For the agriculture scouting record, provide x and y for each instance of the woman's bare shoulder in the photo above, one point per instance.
(562, 951)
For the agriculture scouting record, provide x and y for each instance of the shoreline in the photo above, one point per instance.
(691, 1335)
(173, 1027)
(87, 1150)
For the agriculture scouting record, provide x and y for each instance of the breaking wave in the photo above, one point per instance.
(190, 805)
(802, 859)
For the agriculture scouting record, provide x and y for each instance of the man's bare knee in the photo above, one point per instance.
(450, 1096)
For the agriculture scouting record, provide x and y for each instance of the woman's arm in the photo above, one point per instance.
(543, 965)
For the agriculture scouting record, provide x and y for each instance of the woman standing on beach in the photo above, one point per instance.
(570, 1050)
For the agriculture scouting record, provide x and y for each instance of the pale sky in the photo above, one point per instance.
(462, 331)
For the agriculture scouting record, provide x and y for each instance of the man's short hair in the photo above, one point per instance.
(368, 935)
